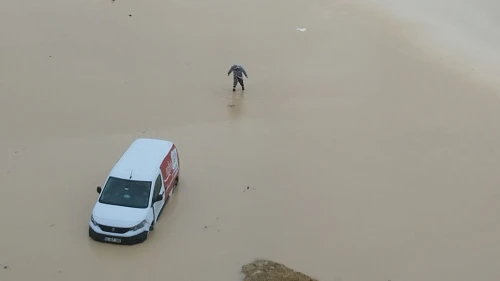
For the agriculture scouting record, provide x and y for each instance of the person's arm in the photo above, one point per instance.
(230, 70)
(244, 72)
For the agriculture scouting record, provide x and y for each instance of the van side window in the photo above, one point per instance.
(157, 186)
(175, 160)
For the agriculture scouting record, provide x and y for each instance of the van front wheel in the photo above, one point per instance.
(144, 237)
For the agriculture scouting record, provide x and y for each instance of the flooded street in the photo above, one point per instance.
(365, 157)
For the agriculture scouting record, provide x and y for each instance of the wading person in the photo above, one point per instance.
(238, 72)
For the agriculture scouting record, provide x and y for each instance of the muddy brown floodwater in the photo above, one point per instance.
(366, 156)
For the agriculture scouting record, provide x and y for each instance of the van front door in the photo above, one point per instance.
(158, 190)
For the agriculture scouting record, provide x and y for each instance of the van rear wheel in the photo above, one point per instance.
(176, 183)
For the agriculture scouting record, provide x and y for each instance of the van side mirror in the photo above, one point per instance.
(159, 197)
(99, 189)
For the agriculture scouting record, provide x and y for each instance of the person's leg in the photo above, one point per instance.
(235, 82)
(240, 80)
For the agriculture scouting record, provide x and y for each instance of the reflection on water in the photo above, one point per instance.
(236, 105)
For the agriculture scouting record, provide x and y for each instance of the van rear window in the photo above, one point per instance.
(126, 193)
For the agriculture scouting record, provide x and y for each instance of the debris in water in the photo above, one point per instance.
(265, 270)
(301, 29)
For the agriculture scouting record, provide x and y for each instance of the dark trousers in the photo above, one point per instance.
(237, 80)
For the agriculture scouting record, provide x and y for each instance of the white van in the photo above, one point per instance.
(135, 192)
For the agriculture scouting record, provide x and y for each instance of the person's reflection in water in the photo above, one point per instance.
(236, 106)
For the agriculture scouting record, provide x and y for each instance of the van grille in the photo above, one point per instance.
(112, 229)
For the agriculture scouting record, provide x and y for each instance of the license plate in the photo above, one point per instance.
(112, 240)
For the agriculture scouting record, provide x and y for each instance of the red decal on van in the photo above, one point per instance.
(168, 173)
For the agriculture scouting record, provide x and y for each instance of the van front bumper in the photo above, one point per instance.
(138, 238)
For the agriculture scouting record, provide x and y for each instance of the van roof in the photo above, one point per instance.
(142, 159)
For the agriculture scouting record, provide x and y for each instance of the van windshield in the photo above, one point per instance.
(127, 193)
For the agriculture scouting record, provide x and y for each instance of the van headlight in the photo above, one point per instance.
(92, 219)
(139, 226)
